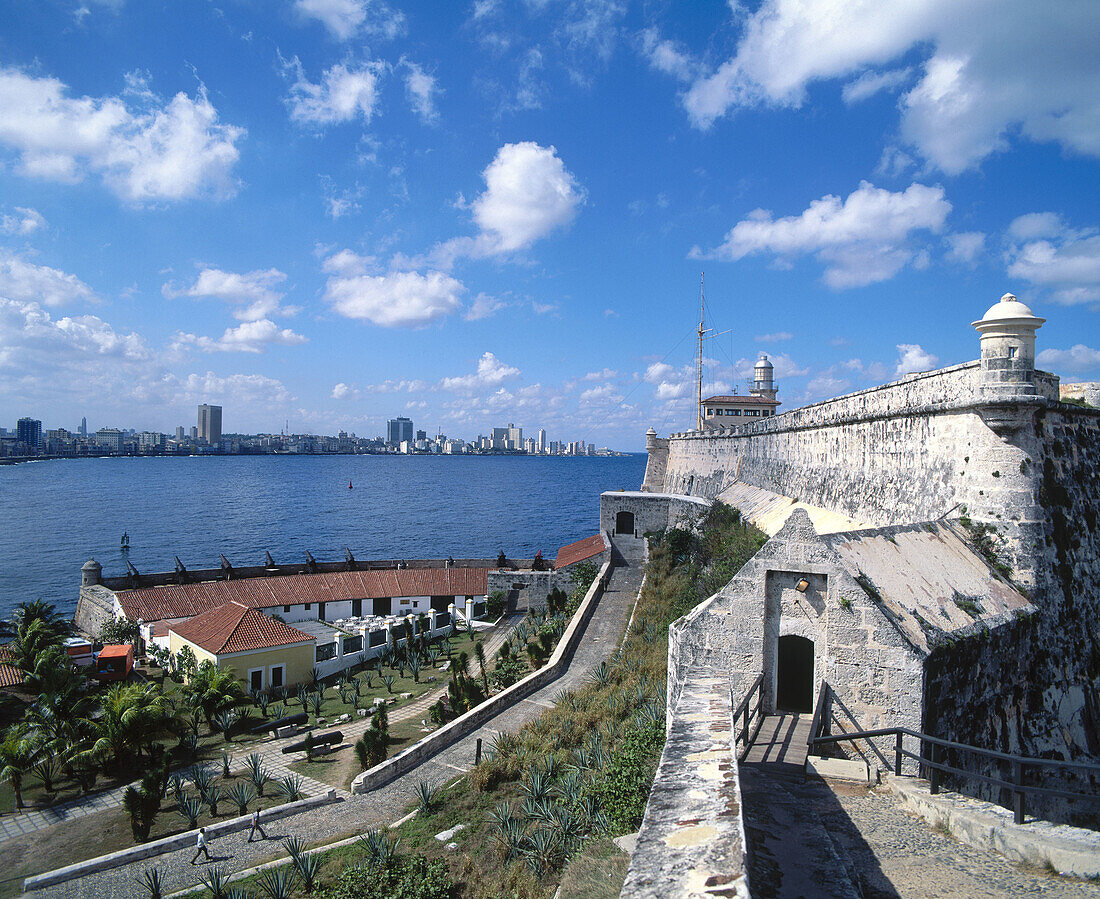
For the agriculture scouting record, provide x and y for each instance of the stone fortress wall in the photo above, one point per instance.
(987, 440)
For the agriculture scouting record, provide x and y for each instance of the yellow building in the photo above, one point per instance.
(262, 652)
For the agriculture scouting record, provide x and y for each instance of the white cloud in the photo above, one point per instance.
(491, 372)
(911, 358)
(1054, 256)
(25, 221)
(253, 293)
(986, 72)
(658, 371)
(863, 239)
(826, 386)
(400, 386)
(29, 336)
(239, 391)
(605, 393)
(25, 281)
(343, 94)
(248, 337)
(395, 299)
(482, 307)
(528, 194)
(1035, 225)
(1076, 360)
(343, 391)
(965, 247)
(421, 89)
(344, 19)
(154, 151)
(773, 338)
(665, 56)
(605, 374)
(870, 83)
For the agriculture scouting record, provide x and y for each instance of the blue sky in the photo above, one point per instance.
(333, 212)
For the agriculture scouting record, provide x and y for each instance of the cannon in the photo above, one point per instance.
(332, 738)
(295, 720)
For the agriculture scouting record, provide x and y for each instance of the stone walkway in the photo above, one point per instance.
(836, 839)
(381, 807)
(270, 751)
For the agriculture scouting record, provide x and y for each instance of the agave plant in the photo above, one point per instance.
(176, 783)
(152, 882)
(315, 701)
(368, 679)
(536, 811)
(278, 883)
(190, 808)
(226, 760)
(509, 830)
(189, 743)
(541, 851)
(567, 826)
(290, 787)
(379, 848)
(315, 679)
(389, 681)
(214, 795)
(260, 778)
(570, 786)
(215, 880)
(295, 846)
(277, 711)
(224, 722)
(425, 795)
(237, 893)
(241, 795)
(308, 866)
(253, 763)
(262, 702)
(201, 777)
(602, 674)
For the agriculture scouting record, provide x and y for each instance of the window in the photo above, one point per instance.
(710, 411)
(255, 679)
(286, 608)
(1012, 352)
(307, 606)
(278, 676)
(717, 411)
(404, 602)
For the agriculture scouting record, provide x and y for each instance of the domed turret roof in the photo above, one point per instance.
(1008, 307)
(763, 362)
(91, 565)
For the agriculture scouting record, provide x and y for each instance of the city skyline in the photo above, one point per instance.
(331, 211)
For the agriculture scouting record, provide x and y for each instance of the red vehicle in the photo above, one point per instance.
(114, 663)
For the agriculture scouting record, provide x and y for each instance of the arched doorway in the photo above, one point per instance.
(624, 523)
(794, 680)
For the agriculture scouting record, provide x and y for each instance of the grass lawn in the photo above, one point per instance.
(103, 832)
(596, 872)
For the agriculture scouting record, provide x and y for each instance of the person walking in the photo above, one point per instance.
(200, 846)
(256, 826)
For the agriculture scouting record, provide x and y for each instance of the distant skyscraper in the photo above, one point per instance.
(399, 429)
(179, 433)
(29, 431)
(194, 433)
(541, 445)
(84, 427)
(210, 424)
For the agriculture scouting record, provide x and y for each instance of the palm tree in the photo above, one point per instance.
(131, 714)
(17, 757)
(213, 690)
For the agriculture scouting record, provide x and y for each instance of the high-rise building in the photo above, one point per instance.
(541, 445)
(515, 437)
(83, 427)
(399, 429)
(180, 433)
(210, 424)
(109, 439)
(29, 431)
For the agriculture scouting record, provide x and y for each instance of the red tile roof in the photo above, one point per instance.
(747, 400)
(579, 551)
(187, 600)
(10, 674)
(237, 628)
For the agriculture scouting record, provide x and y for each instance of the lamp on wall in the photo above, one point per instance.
(802, 586)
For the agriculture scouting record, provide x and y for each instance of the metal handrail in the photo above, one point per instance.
(741, 710)
(934, 764)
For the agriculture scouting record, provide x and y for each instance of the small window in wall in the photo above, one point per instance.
(404, 602)
(710, 411)
(286, 608)
(1012, 352)
(256, 680)
(278, 676)
(308, 606)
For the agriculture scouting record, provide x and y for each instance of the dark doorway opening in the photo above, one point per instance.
(440, 603)
(794, 687)
(381, 605)
(624, 523)
(357, 608)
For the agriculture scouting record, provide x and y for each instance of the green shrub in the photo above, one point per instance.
(622, 787)
(402, 877)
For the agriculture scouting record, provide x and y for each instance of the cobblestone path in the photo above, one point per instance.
(379, 808)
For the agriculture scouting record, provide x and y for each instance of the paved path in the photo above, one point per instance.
(780, 744)
(381, 807)
(889, 852)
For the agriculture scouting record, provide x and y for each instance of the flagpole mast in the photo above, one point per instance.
(699, 383)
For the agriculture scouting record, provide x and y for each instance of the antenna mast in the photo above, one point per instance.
(699, 382)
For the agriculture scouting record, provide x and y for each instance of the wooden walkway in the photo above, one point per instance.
(780, 745)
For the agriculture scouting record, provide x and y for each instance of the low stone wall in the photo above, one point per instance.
(652, 512)
(462, 726)
(170, 844)
(692, 839)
